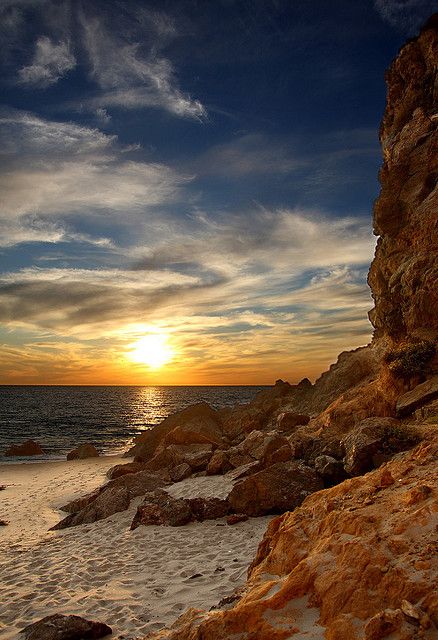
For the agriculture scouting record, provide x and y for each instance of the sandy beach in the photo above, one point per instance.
(135, 581)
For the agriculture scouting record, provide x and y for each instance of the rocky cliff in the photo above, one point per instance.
(358, 561)
(404, 274)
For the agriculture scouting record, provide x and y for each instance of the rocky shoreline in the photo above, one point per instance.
(348, 465)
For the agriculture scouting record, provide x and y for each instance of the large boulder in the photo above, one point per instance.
(420, 395)
(104, 505)
(331, 470)
(281, 487)
(109, 499)
(160, 508)
(373, 441)
(180, 472)
(288, 421)
(124, 469)
(60, 627)
(219, 463)
(28, 448)
(197, 456)
(199, 418)
(265, 447)
(82, 452)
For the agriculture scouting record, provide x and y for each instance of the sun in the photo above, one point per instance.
(152, 350)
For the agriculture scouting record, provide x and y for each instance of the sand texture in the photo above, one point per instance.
(135, 581)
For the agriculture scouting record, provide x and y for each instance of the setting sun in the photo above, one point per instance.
(152, 350)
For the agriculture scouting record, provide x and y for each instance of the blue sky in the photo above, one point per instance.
(201, 170)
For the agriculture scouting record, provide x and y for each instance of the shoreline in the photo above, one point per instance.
(135, 581)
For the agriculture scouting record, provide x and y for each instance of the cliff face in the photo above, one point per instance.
(404, 274)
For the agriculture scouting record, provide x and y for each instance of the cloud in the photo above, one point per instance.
(250, 154)
(52, 168)
(50, 63)
(406, 15)
(131, 77)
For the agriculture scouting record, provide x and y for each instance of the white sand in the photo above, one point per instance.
(135, 581)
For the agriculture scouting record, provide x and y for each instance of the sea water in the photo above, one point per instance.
(60, 418)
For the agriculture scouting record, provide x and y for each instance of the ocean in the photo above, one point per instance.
(61, 418)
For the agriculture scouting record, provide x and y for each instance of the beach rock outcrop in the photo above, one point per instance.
(82, 452)
(352, 562)
(60, 627)
(281, 487)
(105, 504)
(198, 424)
(28, 448)
(113, 497)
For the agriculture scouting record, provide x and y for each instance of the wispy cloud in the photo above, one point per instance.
(131, 77)
(250, 154)
(52, 168)
(51, 61)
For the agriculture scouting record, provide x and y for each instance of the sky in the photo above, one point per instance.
(193, 174)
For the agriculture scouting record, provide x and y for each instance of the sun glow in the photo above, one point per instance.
(152, 350)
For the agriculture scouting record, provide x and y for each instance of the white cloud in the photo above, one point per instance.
(55, 168)
(131, 78)
(51, 61)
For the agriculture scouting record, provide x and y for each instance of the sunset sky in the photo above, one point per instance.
(198, 171)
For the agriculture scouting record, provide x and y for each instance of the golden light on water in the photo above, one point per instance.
(152, 350)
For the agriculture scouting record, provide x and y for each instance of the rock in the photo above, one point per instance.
(289, 421)
(264, 447)
(3, 523)
(180, 472)
(159, 508)
(104, 505)
(28, 448)
(190, 420)
(202, 430)
(412, 400)
(84, 451)
(219, 463)
(404, 272)
(365, 441)
(124, 488)
(197, 456)
(387, 622)
(244, 470)
(331, 470)
(280, 487)
(339, 559)
(123, 469)
(60, 627)
(208, 508)
(235, 518)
